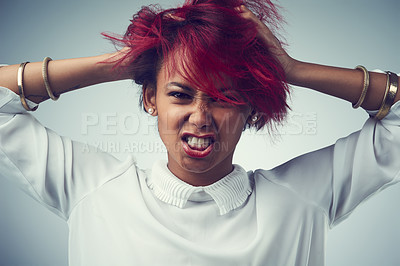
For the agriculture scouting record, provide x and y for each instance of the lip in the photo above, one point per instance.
(197, 153)
(186, 134)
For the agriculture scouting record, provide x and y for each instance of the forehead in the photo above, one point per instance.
(178, 67)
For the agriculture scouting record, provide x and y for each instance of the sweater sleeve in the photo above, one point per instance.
(54, 170)
(365, 163)
(340, 177)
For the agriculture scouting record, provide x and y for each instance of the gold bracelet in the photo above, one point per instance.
(365, 87)
(390, 94)
(46, 80)
(20, 82)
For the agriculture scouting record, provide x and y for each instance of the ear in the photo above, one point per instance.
(149, 98)
(253, 117)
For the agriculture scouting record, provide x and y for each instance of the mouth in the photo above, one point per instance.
(198, 146)
(198, 143)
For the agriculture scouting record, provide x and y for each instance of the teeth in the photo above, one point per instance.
(198, 142)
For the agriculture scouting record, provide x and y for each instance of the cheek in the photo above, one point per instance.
(169, 121)
(232, 122)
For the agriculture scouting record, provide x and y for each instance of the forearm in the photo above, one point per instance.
(343, 83)
(63, 75)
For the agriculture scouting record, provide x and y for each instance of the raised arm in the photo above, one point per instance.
(343, 83)
(55, 170)
(63, 75)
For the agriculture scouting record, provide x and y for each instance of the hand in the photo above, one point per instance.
(123, 61)
(270, 41)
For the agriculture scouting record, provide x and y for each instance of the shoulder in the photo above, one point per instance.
(299, 169)
(307, 178)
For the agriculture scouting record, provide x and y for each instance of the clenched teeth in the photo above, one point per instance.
(199, 143)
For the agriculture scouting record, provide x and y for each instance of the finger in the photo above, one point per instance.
(249, 15)
(169, 15)
(240, 8)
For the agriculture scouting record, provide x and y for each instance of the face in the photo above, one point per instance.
(200, 133)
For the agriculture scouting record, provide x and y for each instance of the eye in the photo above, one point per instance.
(180, 95)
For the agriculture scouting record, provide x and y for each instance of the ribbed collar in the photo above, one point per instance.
(228, 193)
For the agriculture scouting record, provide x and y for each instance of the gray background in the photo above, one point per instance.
(342, 33)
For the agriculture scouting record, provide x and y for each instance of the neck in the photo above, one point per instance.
(200, 178)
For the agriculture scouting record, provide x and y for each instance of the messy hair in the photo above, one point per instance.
(210, 41)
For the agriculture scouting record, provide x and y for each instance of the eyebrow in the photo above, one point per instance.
(187, 88)
(180, 85)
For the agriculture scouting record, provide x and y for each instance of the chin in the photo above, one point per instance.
(197, 166)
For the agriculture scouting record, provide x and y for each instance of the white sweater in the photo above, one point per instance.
(121, 215)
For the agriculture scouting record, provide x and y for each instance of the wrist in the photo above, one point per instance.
(292, 70)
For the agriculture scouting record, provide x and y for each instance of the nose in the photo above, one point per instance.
(200, 115)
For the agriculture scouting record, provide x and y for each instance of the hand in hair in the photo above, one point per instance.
(122, 60)
(270, 41)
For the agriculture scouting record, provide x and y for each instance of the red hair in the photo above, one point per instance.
(211, 41)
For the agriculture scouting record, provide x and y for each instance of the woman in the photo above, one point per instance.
(201, 133)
